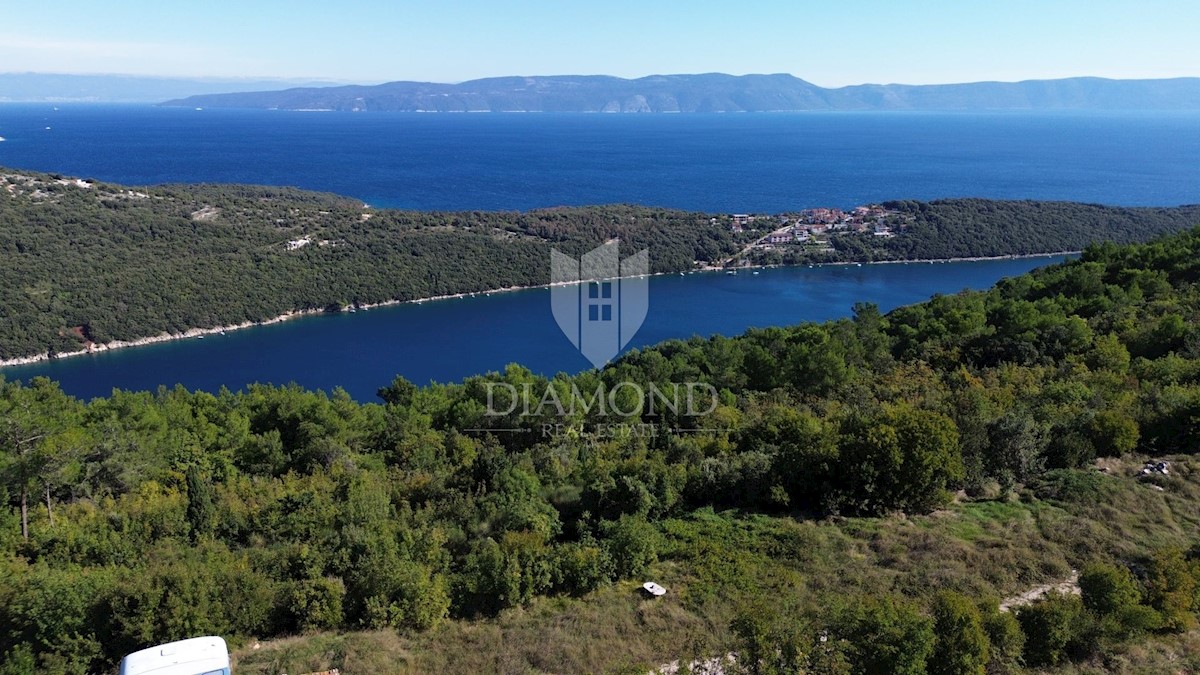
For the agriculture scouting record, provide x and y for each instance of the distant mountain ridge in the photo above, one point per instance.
(715, 92)
(63, 88)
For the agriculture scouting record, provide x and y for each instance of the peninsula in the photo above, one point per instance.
(86, 265)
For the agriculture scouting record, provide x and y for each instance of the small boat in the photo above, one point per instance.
(731, 272)
(1, 139)
(858, 264)
(755, 272)
(222, 332)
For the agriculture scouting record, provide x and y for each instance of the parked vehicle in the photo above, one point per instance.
(197, 656)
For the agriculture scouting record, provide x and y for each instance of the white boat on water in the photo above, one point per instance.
(1, 139)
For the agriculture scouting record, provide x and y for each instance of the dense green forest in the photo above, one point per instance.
(120, 264)
(971, 228)
(964, 228)
(860, 499)
(86, 261)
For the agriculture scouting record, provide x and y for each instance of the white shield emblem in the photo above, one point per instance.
(599, 301)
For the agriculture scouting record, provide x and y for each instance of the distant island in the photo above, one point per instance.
(713, 92)
(70, 88)
(87, 265)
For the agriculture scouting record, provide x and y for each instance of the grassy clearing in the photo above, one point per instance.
(716, 564)
(365, 652)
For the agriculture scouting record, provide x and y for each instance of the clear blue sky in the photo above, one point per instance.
(829, 42)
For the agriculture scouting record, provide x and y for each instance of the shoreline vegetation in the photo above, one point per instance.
(192, 333)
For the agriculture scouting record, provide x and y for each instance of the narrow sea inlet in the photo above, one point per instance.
(448, 340)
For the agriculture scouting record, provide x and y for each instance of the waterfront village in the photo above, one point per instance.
(811, 226)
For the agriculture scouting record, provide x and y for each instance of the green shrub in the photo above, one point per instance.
(1108, 589)
(1050, 625)
(961, 645)
(1171, 589)
(886, 635)
(315, 604)
(631, 543)
(1006, 639)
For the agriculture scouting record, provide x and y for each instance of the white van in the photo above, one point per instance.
(197, 656)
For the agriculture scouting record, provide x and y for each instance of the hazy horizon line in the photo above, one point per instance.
(334, 81)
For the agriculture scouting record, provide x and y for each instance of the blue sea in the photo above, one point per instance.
(750, 162)
(762, 163)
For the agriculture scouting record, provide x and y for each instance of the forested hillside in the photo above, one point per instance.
(859, 500)
(961, 228)
(88, 262)
(974, 228)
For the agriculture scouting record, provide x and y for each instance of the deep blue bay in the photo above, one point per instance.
(723, 163)
(447, 340)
